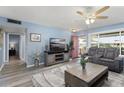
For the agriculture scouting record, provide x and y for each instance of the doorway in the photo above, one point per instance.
(14, 48)
(14, 44)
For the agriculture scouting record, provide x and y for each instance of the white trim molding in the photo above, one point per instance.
(28, 66)
(1, 67)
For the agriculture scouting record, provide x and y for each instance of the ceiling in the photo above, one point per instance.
(64, 17)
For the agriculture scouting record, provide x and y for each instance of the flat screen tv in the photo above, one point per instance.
(57, 44)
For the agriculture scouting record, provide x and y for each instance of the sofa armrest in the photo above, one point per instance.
(118, 62)
(118, 59)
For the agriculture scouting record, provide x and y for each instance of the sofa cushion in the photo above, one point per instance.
(92, 51)
(97, 55)
(100, 51)
(106, 60)
(109, 53)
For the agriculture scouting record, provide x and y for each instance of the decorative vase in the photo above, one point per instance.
(83, 66)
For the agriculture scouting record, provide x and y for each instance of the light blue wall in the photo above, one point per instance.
(2, 21)
(46, 33)
(1, 51)
(1, 56)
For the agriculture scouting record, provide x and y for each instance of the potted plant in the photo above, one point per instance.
(83, 62)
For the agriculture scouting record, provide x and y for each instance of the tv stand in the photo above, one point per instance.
(52, 58)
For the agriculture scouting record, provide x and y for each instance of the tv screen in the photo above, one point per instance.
(57, 44)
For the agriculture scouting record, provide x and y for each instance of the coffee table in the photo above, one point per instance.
(93, 75)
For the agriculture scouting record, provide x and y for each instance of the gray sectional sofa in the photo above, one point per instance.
(106, 56)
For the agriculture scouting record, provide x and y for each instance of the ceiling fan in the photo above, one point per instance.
(89, 19)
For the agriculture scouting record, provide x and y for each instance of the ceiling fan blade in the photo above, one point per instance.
(80, 13)
(101, 17)
(101, 10)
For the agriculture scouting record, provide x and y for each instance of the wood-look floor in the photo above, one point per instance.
(17, 75)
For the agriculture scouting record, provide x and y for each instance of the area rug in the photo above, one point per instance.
(54, 77)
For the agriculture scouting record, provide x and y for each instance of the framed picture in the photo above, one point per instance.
(34, 37)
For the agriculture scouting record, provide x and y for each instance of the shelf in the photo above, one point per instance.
(59, 57)
(54, 58)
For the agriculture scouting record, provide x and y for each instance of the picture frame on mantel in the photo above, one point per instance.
(34, 37)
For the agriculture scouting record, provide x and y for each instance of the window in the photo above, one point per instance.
(94, 40)
(82, 44)
(108, 40)
(122, 43)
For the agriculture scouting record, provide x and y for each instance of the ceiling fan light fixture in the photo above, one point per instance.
(92, 20)
(87, 21)
(91, 17)
(73, 30)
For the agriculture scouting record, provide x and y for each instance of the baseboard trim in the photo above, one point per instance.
(6, 62)
(1, 67)
(28, 66)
